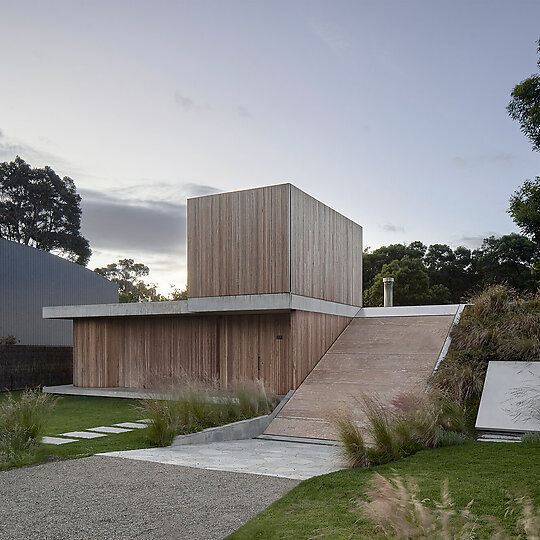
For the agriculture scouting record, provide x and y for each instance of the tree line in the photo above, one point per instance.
(439, 274)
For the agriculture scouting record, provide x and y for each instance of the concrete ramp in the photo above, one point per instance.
(375, 355)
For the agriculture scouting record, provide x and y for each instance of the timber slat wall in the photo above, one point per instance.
(312, 335)
(154, 352)
(326, 252)
(238, 242)
(271, 240)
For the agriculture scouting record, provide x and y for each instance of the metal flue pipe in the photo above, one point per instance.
(388, 284)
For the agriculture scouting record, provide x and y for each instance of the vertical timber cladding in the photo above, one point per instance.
(312, 334)
(144, 352)
(238, 242)
(151, 352)
(256, 347)
(326, 252)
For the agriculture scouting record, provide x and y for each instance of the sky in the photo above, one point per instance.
(393, 113)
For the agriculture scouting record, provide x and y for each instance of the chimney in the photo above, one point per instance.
(388, 284)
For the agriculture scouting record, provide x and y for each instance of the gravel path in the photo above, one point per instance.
(110, 498)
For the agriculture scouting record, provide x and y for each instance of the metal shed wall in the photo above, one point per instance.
(30, 279)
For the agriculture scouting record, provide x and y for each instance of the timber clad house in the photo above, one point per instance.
(274, 277)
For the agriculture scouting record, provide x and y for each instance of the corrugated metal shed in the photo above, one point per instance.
(30, 279)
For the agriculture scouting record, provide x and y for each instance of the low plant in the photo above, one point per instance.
(531, 438)
(452, 438)
(10, 339)
(22, 424)
(353, 450)
(196, 406)
(412, 422)
(395, 505)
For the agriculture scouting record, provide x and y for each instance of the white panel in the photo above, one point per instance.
(511, 391)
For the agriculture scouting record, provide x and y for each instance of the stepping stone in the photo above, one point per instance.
(83, 434)
(56, 440)
(145, 420)
(108, 429)
(131, 425)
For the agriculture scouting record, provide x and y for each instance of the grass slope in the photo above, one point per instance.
(324, 506)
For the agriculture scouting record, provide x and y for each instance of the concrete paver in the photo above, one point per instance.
(294, 460)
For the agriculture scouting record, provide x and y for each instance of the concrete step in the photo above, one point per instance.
(499, 437)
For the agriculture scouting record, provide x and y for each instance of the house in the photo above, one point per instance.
(274, 276)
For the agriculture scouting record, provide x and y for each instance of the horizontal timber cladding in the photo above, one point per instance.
(155, 352)
(238, 243)
(326, 252)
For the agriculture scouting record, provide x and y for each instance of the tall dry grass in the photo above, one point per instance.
(410, 423)
(22, 424)
(500, 324)
(195, 406)
(396, 506)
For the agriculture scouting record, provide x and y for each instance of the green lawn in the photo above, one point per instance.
(80, 412)
(323, 507)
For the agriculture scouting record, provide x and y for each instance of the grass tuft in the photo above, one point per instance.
(196, 406)
(22, 424)
(531, 438)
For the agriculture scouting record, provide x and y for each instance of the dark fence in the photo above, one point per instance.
(28, 366)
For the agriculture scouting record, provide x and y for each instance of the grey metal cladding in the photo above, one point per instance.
(31, 279)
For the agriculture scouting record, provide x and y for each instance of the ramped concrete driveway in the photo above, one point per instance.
(108, 498)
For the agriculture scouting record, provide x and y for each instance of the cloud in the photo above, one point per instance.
(390, 227)
(11, 148)
(133, 226)
(197, 190)
(333, 36)
(243, 112)
(187, 103)
(474, 242)
(144, 218)
(499, 158)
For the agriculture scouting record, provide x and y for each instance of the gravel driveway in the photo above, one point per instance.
(109, 498)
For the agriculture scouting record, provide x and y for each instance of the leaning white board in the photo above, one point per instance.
(510, 398)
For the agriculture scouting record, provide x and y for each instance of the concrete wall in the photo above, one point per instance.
(30, 279)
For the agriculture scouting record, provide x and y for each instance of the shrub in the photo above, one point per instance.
(196, 406)
(452, 438)
(352, 450)
(531, 438)
(460, 377)
(411, 423)
(10, 339)
(22, 424)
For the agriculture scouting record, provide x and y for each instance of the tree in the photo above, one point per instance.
(131, 288)
(525, 208)
(525, 107)
(452, 268)
(374, 261)
(411, 285)
(177, 294)
(509, 259)
(40, 209)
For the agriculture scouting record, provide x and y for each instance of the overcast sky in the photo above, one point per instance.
(391, 112)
